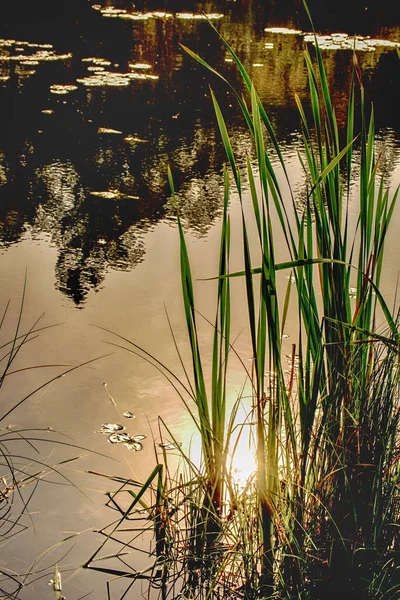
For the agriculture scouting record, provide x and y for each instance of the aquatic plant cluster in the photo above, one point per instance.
(318, 517)
(28, 55)
(335, 41)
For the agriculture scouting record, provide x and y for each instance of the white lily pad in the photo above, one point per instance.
(62, 89)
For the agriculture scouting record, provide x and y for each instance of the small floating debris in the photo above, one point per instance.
(57, 584)
(96, 68)
(132, 139)
(47, 111)
(25, 73)
(62, 89)
(258, 65)
(109, 130)
(291, 278)
(283, 30)
(108, 428)
(128, 415)
(353, 293)
(210, 16)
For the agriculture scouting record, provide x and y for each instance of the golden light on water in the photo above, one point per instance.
(241, 459)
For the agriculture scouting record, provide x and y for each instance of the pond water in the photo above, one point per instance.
(96, 101)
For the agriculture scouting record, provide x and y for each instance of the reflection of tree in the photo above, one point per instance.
(92, 234)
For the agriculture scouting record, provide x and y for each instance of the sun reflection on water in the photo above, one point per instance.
(241, 456)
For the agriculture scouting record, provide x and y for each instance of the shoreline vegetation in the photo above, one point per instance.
(319, 516)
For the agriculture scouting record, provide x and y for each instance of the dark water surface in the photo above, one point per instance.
(51, 162)
(85, 204)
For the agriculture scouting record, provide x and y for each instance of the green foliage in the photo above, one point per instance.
(318, 518)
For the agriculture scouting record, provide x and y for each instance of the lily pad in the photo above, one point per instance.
(144, 66)
(283, 30)
(62, 89)
(119, 438)
(342, 41)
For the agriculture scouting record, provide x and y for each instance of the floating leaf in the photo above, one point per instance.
(111, 428)
(133, 445)
(128, 414)
(113, 195)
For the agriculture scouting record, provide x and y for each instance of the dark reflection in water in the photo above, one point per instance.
(88, 166)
